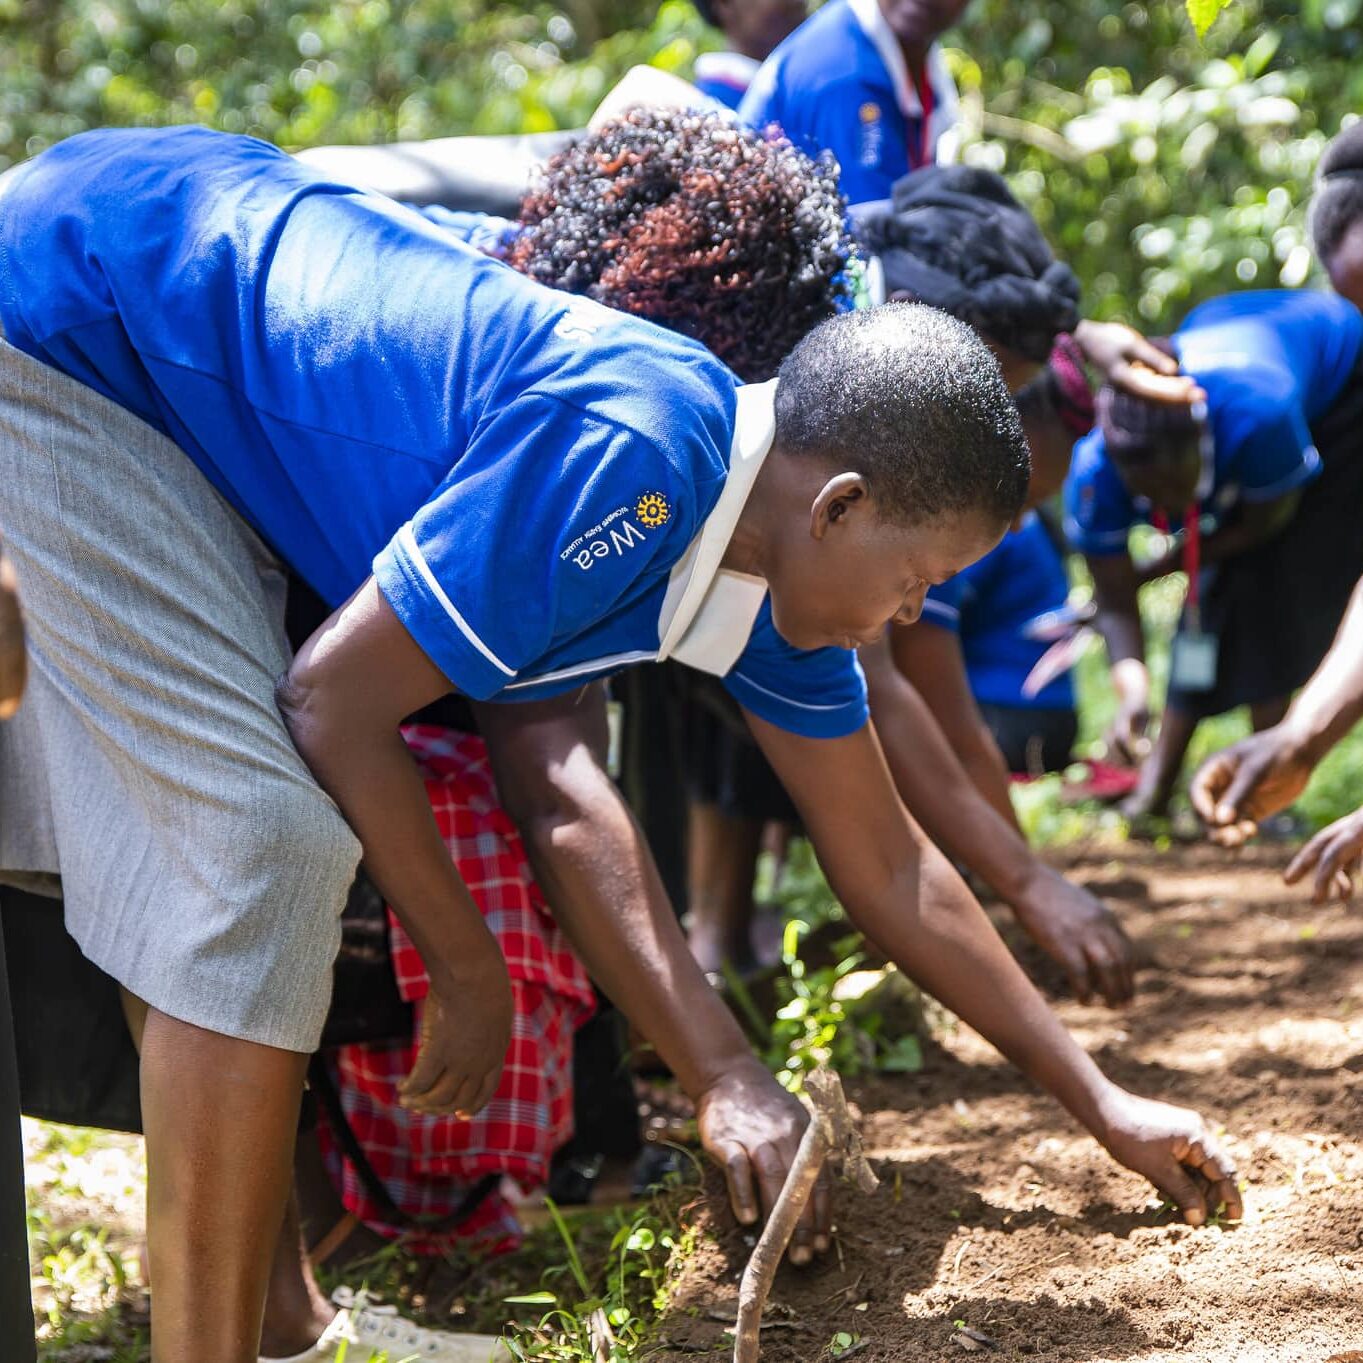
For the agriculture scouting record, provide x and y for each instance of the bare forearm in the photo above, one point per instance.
(598, 875)
(374, 780)
(903, 894)
(1331, 703)
(1121, 633)
(922, 917)
(988, 774)
(929, 659)
(940, 793)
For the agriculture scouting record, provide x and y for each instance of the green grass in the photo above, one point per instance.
(591, 1274)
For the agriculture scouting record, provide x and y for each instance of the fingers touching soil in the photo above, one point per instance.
(995, 1211)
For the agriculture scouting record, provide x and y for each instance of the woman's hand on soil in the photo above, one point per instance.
(465, 1030)
(1128, 361)
(1172, 1147)
(1080, 932)
(751, 1127)
(1127, 740)
(1334, 854)
(1248, 781)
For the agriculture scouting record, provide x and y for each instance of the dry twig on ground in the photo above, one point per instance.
(830, 1133)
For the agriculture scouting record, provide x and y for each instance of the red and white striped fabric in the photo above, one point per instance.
(427, 1163)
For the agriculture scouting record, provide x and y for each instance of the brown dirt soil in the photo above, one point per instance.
(996, 1211)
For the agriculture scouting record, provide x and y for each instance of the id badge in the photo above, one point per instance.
(1192, 662)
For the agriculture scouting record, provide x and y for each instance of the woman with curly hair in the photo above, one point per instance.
(729, 236)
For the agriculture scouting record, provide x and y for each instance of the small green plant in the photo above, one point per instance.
(605, 1309)
(835, 1014)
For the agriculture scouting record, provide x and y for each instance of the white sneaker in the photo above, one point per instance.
(372, 1332)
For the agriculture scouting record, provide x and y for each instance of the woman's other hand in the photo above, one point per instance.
(1334, 855)
(465, 1031)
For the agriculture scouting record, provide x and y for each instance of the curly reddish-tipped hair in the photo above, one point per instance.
(724, 234)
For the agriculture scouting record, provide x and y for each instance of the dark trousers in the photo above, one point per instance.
(16, 1306)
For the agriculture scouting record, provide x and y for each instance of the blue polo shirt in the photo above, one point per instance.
(831, 87)
(1271, 362)
(520, 469)
(991, 603)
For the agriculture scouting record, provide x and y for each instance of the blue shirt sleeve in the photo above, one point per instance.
(1268, 449)
(485, 232)
(1099, 511)
(551, 521)
(817, 694)
(942, 606)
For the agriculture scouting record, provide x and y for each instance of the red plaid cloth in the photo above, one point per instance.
(427, 1163)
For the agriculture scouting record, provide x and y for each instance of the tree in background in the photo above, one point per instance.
(1175, 169)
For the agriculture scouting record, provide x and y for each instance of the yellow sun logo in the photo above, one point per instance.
(651, 510)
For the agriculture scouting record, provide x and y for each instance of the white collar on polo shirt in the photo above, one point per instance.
(730, 68)
(708, 611)
(877, 28)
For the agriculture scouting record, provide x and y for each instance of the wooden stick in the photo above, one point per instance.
(830, 1132)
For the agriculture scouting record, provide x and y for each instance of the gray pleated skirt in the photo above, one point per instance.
(148, 767)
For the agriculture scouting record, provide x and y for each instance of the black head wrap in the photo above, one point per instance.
(1337, 203)
(1137, 429)
(954, 237)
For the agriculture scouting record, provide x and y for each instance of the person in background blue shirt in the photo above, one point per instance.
(1237, 788)
(991, 605)
(865, 80)
(753, 28)
(1274, 470)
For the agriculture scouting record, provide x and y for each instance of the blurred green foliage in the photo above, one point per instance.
(1165, 167)
(301, 72)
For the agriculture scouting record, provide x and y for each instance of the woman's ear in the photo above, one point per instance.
(835, 500)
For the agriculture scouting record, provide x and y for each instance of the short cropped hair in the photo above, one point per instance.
(730, 236)
(1337, 202)
(913, 400)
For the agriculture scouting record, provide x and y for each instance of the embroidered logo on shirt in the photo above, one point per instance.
(652, 510)
(871, 132)
(615, 534)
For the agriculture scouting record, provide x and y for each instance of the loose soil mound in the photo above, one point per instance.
(997, 1212)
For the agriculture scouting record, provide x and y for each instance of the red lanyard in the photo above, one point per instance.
(1192, 560)
(1192, 563)
(926, 101)
(1193, 551)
